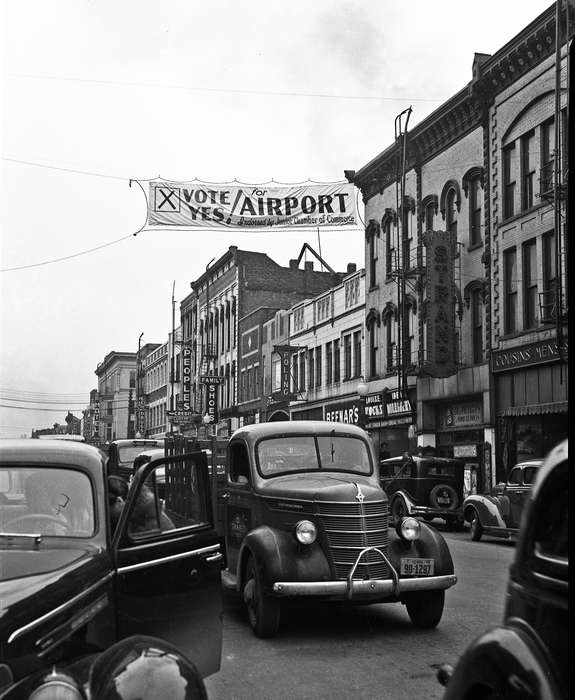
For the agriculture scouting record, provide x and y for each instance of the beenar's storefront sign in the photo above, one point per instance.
(440, 303)
(200, 205)
(343, 412)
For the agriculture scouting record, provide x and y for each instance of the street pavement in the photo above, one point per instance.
(364, 652)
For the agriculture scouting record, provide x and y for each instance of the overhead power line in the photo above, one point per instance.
(231, 91)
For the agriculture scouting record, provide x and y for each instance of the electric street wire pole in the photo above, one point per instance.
(402, 250)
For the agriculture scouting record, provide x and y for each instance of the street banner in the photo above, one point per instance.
(440, 360)
(253, 207)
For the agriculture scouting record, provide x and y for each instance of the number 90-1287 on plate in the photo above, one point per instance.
(417, 567)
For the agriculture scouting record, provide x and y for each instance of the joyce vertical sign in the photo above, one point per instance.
(440, 303)
(186, 378)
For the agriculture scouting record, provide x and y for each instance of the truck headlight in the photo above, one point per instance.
(305, 532)
(409, 529)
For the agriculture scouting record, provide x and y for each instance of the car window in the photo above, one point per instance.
(48, 501)
(516, 476)
(552, 517)
(435, 468)
(393, 469)
(300, 453)
(127, 454)
(529, 474)
(170, 499)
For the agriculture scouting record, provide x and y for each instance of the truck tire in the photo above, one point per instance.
(475, 528)
(398, 510)
(263, 610)
(425, 609)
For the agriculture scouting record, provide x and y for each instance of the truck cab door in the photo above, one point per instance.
(168, 560)
(239, 502)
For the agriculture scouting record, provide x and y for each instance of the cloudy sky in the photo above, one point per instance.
(97, 92)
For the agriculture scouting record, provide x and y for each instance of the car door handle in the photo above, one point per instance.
(224, 496)
(215, 557)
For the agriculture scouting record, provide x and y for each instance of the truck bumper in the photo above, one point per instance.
(393, 587)
(385, 588)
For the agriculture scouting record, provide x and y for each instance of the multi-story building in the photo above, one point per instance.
(116, 395)
(232, 288)
(156, 383)
(464, 261)
(327, 363)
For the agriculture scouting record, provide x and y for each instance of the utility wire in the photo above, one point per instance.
(232, 91)
(31, 408)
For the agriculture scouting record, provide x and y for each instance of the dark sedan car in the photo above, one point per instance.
(97, 610)
(527, 655)
(499, 514)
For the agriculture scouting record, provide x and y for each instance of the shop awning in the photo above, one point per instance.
(535, 409)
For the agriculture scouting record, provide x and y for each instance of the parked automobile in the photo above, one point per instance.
(527, 656)
(306, 518)
(431, 487)
(90, 610)
(499, 514)
(121, 454)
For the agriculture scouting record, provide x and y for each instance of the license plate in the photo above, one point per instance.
(417, 567)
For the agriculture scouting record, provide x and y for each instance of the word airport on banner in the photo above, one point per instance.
(197, 205)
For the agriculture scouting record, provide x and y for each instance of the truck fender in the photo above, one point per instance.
(511, 660)
(430, 545)
(488, 509)
(407, 501)
(281, 557)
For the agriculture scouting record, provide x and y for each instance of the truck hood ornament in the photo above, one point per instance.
(359, 496)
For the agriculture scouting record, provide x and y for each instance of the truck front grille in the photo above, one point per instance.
(351, 527)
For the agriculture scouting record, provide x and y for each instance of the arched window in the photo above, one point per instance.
(429, 206)
(389, 318)
(474, 295)
(372, 323)
(473, 187)
(450, 203)
(410, 326)
(388, 225)
(372, 233)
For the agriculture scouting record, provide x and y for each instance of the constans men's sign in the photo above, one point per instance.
(201, 205)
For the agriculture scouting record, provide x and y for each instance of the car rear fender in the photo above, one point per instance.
(280, 557)
(508, 659)
(488, 509)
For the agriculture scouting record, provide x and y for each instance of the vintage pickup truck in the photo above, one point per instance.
(305, 516)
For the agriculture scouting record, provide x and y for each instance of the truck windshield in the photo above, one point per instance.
(308, 453)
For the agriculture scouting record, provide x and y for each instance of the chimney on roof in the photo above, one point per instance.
(309, 265)
(351, 267)
(293, 264)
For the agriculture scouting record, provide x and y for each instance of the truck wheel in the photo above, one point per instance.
(425, 609)
(398, 511)
(263, 610)
(476, 528)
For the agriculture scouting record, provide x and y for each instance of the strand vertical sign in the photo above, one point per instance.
(440, 358)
